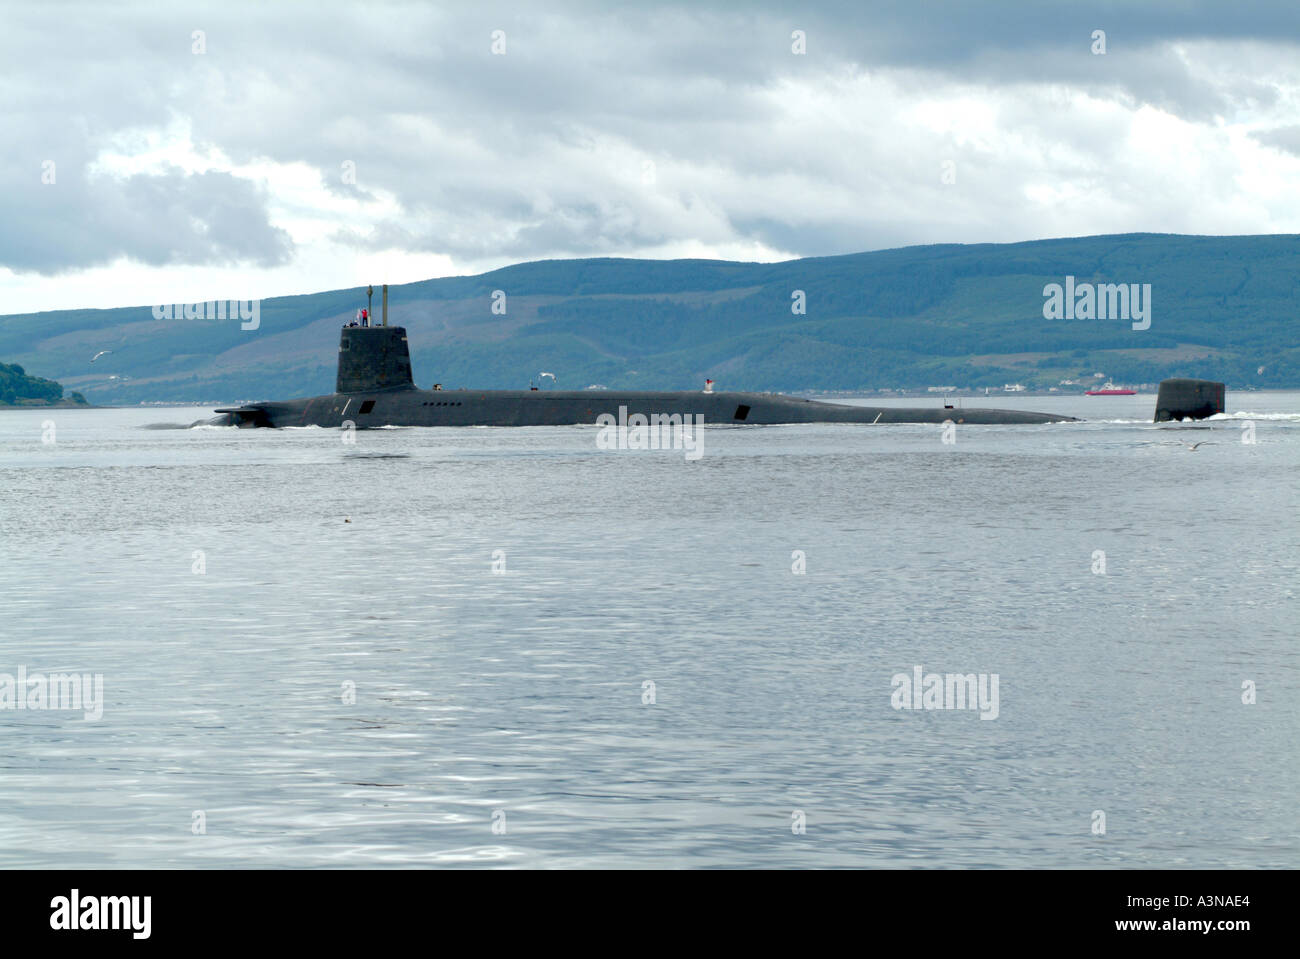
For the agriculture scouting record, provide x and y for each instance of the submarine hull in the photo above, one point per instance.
(414, 407)
(375, 388)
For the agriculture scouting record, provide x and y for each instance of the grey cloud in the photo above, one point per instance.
(171, 218)
(593, 227)
(536, 153)
(1282, 138)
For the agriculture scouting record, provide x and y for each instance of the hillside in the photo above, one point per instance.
(19, 389)
(969, 315)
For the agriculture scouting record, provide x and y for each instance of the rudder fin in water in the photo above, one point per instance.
(1187, 399)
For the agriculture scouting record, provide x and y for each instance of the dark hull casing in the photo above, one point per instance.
(1187, 399)
(375, 388)
(411, 407)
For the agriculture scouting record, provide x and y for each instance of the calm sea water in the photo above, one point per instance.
(283, 687)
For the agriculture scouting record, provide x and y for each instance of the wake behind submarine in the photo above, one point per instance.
(375, 388)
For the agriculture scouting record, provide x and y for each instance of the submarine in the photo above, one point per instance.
(375, 388)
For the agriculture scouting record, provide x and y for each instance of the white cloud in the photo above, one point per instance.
(659, 133)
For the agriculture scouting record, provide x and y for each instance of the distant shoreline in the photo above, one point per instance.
(63, 404)
(810, 394)
(973, 394)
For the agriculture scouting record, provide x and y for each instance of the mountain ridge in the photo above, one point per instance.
(969, 315)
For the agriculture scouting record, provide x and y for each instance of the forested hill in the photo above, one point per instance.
(964, 315)
(19, 389)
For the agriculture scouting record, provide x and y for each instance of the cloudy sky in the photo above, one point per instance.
(173, 152)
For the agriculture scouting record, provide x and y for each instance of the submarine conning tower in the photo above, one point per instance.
(373, 358)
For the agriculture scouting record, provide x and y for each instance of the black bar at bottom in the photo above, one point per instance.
(917, 909)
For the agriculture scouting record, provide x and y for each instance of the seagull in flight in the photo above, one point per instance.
(1193, 446)
(99, 354)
